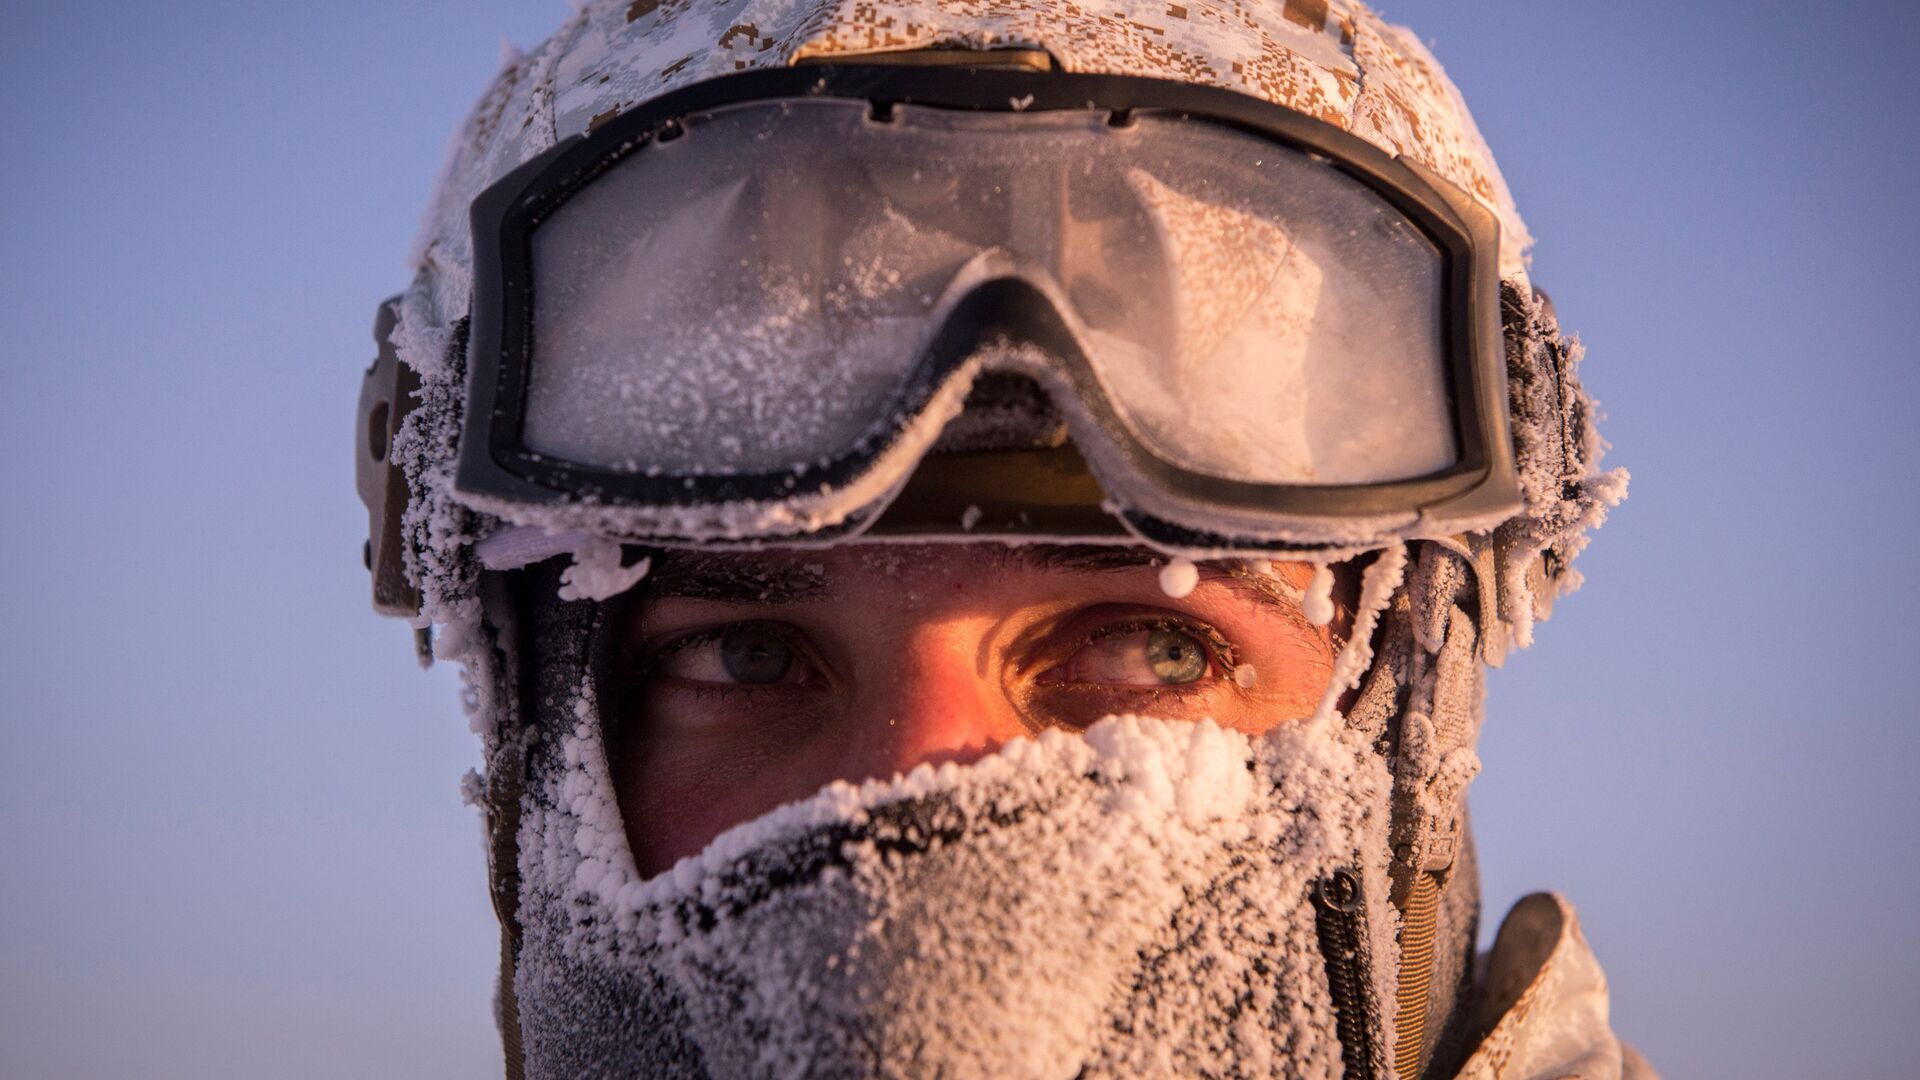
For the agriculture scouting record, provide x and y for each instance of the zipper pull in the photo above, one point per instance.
(1340, 920)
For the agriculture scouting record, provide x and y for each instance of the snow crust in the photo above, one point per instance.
(1318, 601)
(597, 573)
(1179, 577)
(1130, 901)
(1378, 583)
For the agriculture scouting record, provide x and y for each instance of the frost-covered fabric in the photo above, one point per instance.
(1543, 1011)
(1131, 902)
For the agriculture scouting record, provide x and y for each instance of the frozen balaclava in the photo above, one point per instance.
(1145, 898)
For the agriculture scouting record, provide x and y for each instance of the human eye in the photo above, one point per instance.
(735, 655)
(1157, 655)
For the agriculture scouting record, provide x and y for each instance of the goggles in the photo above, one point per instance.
(745, 311)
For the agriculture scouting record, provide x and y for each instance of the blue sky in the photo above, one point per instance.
(231, 841)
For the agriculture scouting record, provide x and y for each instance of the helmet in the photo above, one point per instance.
(989, 386)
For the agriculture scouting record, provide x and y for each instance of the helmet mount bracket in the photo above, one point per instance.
(388, 392)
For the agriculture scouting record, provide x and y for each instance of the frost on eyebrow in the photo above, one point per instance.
(1085, 557)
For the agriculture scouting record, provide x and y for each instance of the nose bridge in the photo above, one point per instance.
(1003, 292)
(939, 700)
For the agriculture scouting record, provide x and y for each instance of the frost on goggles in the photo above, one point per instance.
(751, 296)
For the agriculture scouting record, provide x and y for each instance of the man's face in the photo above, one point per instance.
(747, 681)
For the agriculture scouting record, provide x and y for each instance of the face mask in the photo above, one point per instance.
(1145, 898)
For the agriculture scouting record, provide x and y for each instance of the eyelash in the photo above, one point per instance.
(788, 636)
(1220, 646)
(1220, 655)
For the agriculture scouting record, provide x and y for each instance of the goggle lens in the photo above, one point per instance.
(752, 296)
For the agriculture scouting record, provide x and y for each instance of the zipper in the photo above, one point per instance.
(1420, 920)
(1340, 919)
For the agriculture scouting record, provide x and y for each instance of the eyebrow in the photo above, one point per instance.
(1084, 558)
(726, 578)
(1270, 593)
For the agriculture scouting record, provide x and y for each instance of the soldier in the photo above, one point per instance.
(974, 531)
